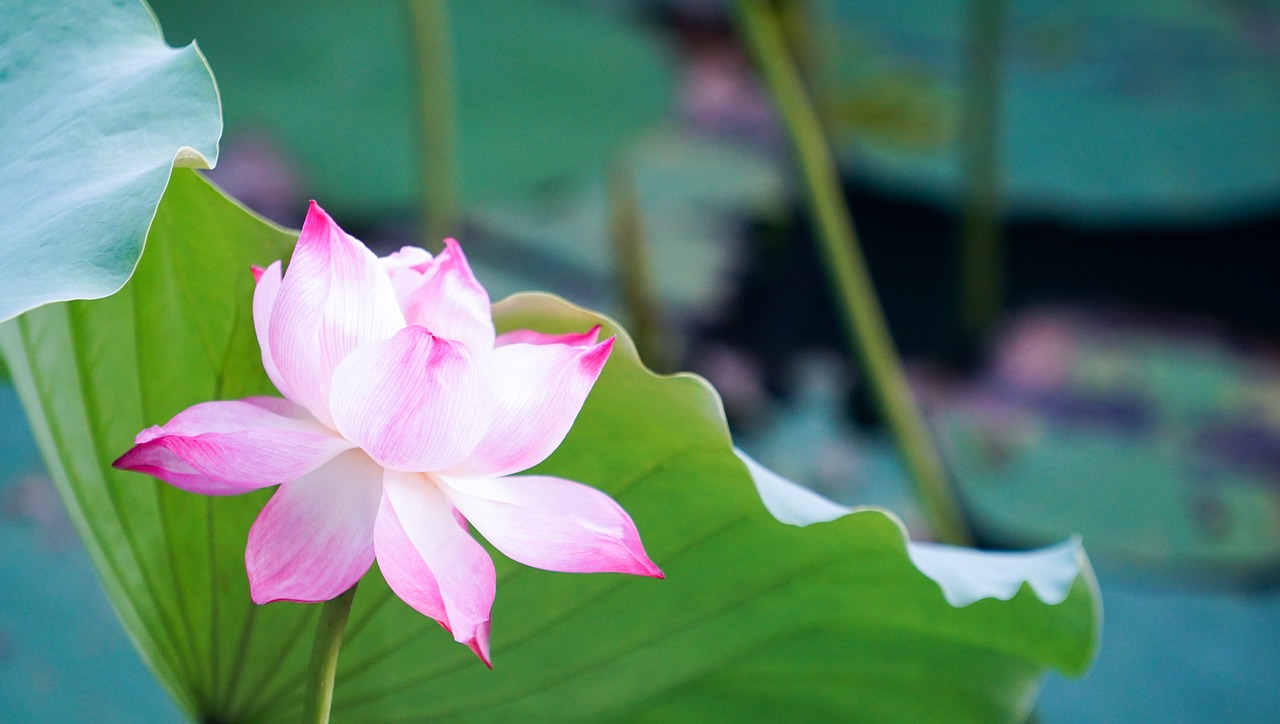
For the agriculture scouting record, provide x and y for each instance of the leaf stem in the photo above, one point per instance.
(324, 655)
(864, 320)
(437, 117)
(630, 245)
(982, 246)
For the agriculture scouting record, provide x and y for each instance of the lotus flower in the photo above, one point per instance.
(402, 421)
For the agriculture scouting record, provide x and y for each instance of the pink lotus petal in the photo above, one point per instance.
(451, 303)
(314, 538)
(264, 300)
(232, 447)
(538, 391)
(554, 524)
(404, 569)
(409, 257)
(406, 269)
(335, 297)
(374, 409)
(413, 402)
(432, 563)
(528, 336)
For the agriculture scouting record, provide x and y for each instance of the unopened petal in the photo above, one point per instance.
(314, 538)
(528, 336)
(406, 269)
(264, 300)
(408, 257)
(553, 524)
(432, 562)
(335, 297)
(231, 447)
(414, 402)
(451, 303)
(538, 391)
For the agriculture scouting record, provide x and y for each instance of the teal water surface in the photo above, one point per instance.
(63, 655)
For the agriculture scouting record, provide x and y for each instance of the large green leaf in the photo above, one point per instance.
(94, 112)
(756, 619)
(90, 372)
(542, 89)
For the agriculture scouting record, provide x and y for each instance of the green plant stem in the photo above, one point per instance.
(864, 321)
(437, 118)
(982, 245)
(324, 655)
(632, 253)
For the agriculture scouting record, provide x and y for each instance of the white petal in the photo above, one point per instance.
(553, 524)
(314, 538)
(463, 573)
(538, 391)
(264, 300)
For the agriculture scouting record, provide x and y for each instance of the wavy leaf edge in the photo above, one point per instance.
(184, 156)
(963, 575)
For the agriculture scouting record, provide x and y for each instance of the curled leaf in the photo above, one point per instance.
(95, 111)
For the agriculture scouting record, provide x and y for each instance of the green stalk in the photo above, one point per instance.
(982, 245)
(324, 656)
(864, 321)
(437, 118)
(632, 253)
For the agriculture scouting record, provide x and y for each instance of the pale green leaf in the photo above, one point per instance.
(95, 110)
(964, 574)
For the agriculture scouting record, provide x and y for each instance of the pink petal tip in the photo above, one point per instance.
(479, 644)
(594, 360)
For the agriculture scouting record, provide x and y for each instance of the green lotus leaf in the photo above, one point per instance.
(95, 111)
(755, 620)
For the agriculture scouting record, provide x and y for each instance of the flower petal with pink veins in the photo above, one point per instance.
(553, 524)
(414, 402)
(451, 303)
(232, 447)
(528, 336)
(314, 538)
(404, 569)
(264, 300)
(335, 297)
(431, 561)
(538, 390)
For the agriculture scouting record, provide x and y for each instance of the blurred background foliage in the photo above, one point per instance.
(1124, 383)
